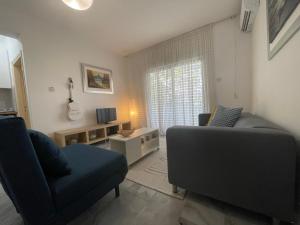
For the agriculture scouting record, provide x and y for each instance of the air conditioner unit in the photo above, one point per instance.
(248, 14)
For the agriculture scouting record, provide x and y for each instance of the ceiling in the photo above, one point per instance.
(127, 26)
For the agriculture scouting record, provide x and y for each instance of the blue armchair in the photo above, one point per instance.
(43, 200)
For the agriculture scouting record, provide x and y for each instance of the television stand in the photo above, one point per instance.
(90, 134)
(112, 130)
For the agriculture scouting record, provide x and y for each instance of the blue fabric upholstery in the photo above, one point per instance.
(91, 166)
(84, 202)
(51, 158)
(35, 195)
(21, 174)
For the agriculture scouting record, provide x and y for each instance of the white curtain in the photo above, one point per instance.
(173, 82)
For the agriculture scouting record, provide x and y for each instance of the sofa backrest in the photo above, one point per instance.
(21, 173)
(248, 120)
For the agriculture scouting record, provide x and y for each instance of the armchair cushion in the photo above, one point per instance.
(52, 159)
(91, 166)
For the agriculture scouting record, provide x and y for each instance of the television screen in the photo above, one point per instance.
(106, 115)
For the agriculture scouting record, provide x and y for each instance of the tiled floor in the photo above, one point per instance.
(205, 211)
(138, 205)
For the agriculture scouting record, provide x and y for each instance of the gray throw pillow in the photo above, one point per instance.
(225, 117)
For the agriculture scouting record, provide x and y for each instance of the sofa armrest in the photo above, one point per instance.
(203, 118)
(230, 163)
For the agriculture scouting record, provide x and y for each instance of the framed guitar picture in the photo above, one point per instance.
(97, 79)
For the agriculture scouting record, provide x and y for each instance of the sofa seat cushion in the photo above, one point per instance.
(90, 167)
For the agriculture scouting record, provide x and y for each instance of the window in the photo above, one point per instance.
(175, 95)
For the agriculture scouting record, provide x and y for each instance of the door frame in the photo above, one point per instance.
(13, 65)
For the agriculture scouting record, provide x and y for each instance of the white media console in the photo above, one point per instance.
(142, 142)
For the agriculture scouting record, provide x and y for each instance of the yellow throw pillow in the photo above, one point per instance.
(212, 116)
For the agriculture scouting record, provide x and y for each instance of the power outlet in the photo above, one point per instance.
(51, 89)
(236, 96)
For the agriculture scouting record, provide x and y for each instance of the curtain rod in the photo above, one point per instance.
(198, 28)
(222, 20)
(183, 34)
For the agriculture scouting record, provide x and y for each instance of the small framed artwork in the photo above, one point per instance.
(97, 79)
(283, 20)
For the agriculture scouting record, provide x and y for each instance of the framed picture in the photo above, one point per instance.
(97, 80)
(283, 20)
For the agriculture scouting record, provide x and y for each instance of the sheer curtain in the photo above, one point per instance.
(173, 82)
(175, 95)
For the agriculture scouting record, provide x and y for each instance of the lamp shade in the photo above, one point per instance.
(79, 4)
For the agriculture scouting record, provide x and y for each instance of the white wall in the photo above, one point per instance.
(232, 50)
(276, 83)
(53, 54)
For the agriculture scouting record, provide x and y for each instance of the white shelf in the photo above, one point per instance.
(83, 133)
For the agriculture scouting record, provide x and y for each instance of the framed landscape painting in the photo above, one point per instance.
(97, 80)
(283, 17)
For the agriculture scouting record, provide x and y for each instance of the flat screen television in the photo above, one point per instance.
(106, 115)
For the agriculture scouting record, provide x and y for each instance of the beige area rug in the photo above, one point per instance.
(152, 172)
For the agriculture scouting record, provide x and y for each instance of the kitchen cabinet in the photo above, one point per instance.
(5, 81)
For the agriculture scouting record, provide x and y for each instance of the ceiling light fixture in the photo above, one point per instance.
(79, 4)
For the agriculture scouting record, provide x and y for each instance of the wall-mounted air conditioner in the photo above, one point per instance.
(248, 14)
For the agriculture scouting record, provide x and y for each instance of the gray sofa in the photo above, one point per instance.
(251, 165)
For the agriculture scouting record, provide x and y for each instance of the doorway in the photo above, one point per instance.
(20, 90)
